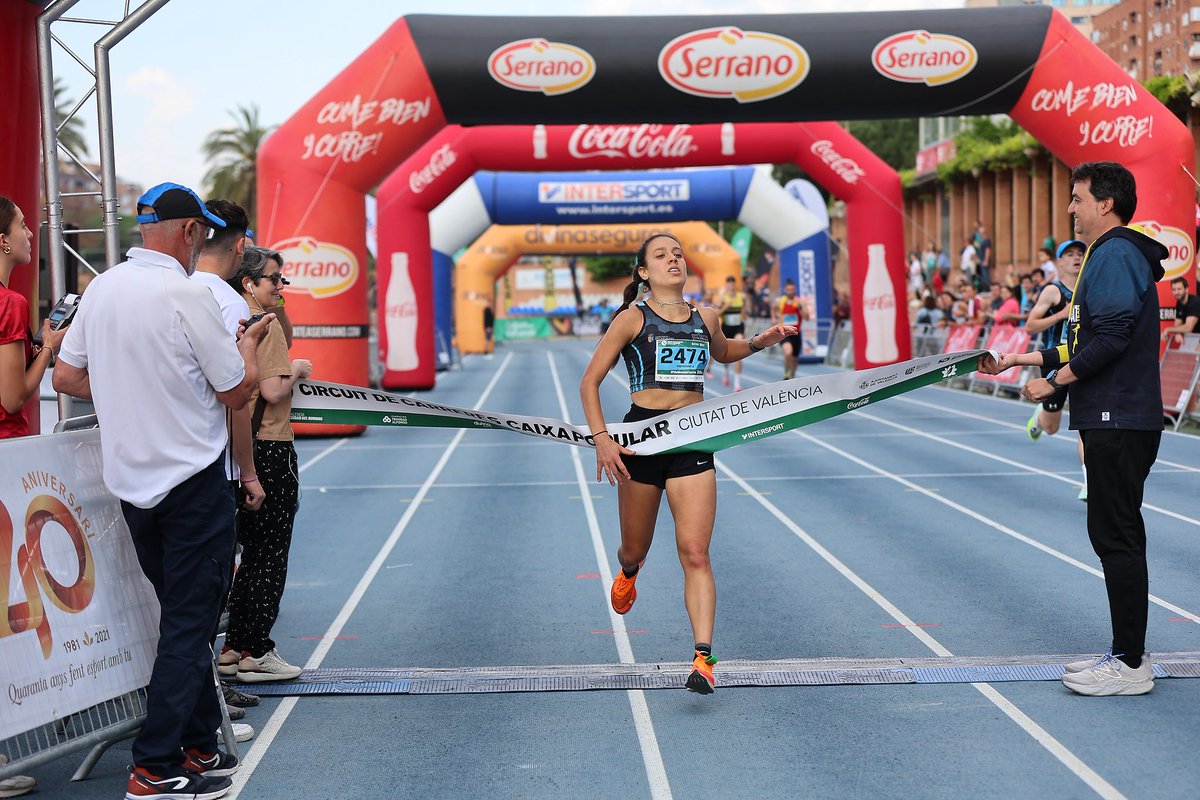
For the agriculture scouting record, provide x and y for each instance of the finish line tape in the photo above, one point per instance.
(706, 427)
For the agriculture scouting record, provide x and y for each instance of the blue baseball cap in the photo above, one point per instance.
(172, 201)
(1062, 248)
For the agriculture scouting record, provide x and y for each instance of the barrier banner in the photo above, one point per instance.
(1007, 339)
(704, 427)
(520, 328)
(78, 620)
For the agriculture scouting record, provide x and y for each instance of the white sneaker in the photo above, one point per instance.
(242, 731)
(267, 667)
(16, 785)
(1087, 663)
(1110, 677)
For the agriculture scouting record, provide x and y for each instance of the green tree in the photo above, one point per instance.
(232, 154)
(893, 140)
(71, 134)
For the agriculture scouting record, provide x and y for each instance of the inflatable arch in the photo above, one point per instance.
(501, 245)
(744, 193)
(426, 72)
(869, 187)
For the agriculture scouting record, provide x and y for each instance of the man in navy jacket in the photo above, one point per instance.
(1110, 364)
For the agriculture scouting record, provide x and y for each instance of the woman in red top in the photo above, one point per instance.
(21, 368)
(1009, 313)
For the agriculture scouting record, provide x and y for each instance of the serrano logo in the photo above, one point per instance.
(322, 269)
(923, 57)
(1178, 244)
(728, 62)
(536, 65)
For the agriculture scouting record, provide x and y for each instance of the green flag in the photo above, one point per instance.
(741, 243)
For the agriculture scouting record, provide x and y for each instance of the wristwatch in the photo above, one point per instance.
(1053, 383)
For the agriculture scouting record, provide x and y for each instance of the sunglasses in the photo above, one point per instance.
(277, 278)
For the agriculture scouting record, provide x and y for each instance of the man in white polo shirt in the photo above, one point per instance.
(148, 347)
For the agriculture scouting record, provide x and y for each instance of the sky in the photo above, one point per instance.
(179, 74)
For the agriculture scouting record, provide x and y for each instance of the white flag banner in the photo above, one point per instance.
(707, 426)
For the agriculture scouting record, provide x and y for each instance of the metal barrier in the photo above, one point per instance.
(1179, 371)
(97, 727)
(841, 346)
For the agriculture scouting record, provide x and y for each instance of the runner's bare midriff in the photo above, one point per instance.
(665, 399)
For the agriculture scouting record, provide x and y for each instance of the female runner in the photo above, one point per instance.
(666, 344)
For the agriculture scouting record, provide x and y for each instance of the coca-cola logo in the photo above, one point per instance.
(879, 302)
(439, 162)
(846, 168)
(537, 65)
(923, 57)
(319, 269)
(1179, 246)
(631, 141)
(748, 66)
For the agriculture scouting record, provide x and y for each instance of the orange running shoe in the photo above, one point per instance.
(623, 591)
(701, 679)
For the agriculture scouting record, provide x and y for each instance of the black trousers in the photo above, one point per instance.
(266, 538)
(185, 547)
(1118, 462)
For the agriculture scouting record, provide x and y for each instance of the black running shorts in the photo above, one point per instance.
(656, 470)
(733, 331)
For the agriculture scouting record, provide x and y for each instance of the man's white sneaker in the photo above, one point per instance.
(1111, 676)
(1087, 663)
(267, 667)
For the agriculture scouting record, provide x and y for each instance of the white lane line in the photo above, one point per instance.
(1016, 426)
(991, 523)
(267, 735)
(978, 396)
(1071, 761)
(656, 772)
(317, 458)
(1008, 461)
(350, 487)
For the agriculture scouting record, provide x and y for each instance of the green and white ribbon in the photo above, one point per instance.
(705, 427)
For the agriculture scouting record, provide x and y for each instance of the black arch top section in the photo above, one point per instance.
(627, 88)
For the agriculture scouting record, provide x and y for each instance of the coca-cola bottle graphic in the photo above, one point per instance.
(879, 308)
(727, 139)
(400, 321)
(539, 141)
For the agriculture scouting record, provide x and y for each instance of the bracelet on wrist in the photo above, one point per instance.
(597, 433)
(251, 479)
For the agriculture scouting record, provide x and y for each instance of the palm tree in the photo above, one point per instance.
(72, 133)
(232, 152)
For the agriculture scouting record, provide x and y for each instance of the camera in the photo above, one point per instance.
(60, 316)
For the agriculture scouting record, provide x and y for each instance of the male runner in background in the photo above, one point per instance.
(1050, 315)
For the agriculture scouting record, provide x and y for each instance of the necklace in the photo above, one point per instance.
(661, 304)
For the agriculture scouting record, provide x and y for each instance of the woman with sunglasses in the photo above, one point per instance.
(265, 534)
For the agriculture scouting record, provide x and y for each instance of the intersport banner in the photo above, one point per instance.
(78, 620)
(608, 77)
(704, 427)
